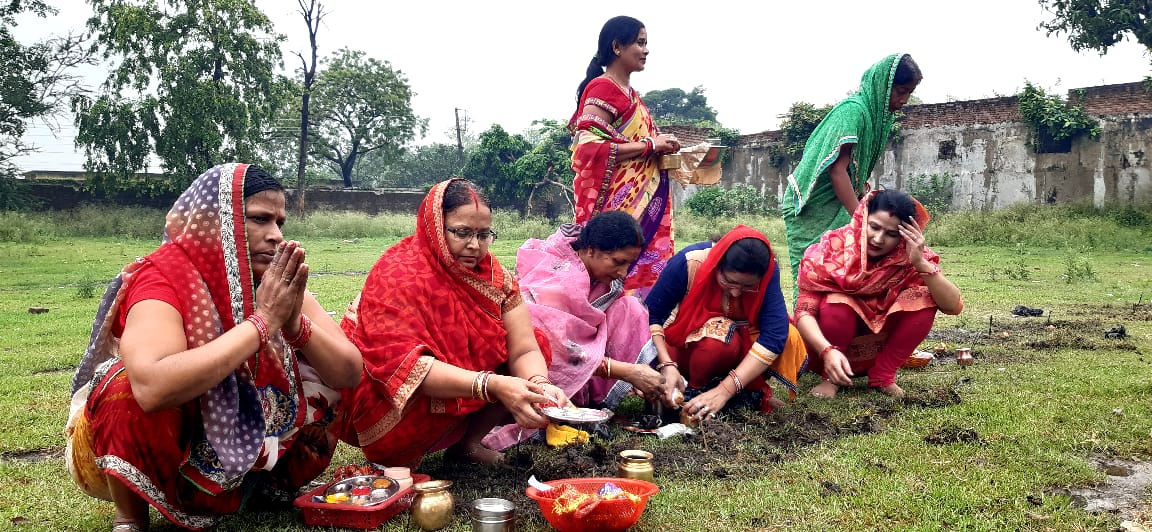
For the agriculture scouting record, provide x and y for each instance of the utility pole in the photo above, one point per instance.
(459, 140)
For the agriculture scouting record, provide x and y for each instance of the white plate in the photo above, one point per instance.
(574, 414)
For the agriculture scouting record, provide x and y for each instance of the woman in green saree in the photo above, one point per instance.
(832, 176)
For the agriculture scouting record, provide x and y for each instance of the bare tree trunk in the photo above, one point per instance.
(313, 12)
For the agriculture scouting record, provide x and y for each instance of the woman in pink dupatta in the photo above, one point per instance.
(573, 283)
(869, 292)
(616, 148)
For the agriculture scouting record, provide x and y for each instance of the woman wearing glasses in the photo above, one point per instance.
(720, 326)
(437, 319)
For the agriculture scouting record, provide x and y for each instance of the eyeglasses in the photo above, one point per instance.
(465, 234)
(728, 284)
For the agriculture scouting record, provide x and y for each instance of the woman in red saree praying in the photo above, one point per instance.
(208, 383)
(869, 292)
(445, 334)
(616, 147)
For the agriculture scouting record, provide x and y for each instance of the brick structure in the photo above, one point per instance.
(987, 150)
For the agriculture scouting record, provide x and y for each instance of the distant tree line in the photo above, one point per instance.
(194, 83)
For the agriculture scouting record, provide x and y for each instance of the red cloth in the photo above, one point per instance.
(902, 333)
(419, 303)
(837, 269)
(593, 163)
(149, 283)
(636, 185)
(704, 299)
(270, 415)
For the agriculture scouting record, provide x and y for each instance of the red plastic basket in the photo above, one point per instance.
(354, 516)
(609, 515)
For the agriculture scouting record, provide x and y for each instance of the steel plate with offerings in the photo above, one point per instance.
(575, 414)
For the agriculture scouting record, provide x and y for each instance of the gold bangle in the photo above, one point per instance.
(663, 365)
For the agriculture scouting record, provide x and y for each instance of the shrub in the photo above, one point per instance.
(934, 191)
(716, 202)
(1078, 268)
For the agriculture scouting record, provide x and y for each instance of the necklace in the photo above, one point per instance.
(623, 88)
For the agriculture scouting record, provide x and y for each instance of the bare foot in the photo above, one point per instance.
(892, 390)
(776, 404)
(825, 389)
(476, 453)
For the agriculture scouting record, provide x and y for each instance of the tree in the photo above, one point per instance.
(362, 106)
(674, 106)
(312, 12)
(548, 164)
(491, 166)
(418, 167)
(513, 168)
(193, 81)
(36, 82)
(1099, 24)
(795, 127)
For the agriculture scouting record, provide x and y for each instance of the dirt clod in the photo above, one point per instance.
(950, 434)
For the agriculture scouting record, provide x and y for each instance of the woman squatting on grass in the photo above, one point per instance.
(869, 292)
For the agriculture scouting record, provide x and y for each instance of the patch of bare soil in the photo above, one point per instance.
(734, 446)
(950, 434)
(742, 444)
(1005, 338)
(35, 455)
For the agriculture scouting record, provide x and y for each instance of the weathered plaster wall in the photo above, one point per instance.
(984, 145)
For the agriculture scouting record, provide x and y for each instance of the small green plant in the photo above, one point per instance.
(934, 191)
(1018, 269)
(1078, 268)
(86, 290)
(1051, 119)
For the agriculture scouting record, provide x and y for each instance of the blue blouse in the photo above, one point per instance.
(672, 286)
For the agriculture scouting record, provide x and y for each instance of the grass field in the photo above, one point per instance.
(1039, 406)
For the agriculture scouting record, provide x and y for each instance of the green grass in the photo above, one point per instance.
(1042, 414)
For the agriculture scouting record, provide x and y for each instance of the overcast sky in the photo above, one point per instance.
(512, 62)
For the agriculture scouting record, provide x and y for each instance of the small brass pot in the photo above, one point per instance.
(964, 356)
(670, 161)
(433, 506)
(636, 464)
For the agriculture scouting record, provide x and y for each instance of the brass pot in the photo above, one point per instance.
(671, 161)
(636, 464)
(433, 506)
(964, 356)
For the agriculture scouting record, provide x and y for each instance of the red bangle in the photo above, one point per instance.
(303, 335)
(663, 365)
(736, 381)
(829, 348)
(261, 328)
(539, 380)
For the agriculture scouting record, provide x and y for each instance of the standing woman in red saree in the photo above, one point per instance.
(449, 348)
(616, 147)
(208, 385)
(869, 292)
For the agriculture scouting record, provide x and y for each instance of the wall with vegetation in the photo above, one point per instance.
(987, 149)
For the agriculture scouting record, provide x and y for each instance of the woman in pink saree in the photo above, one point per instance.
(573, 283)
